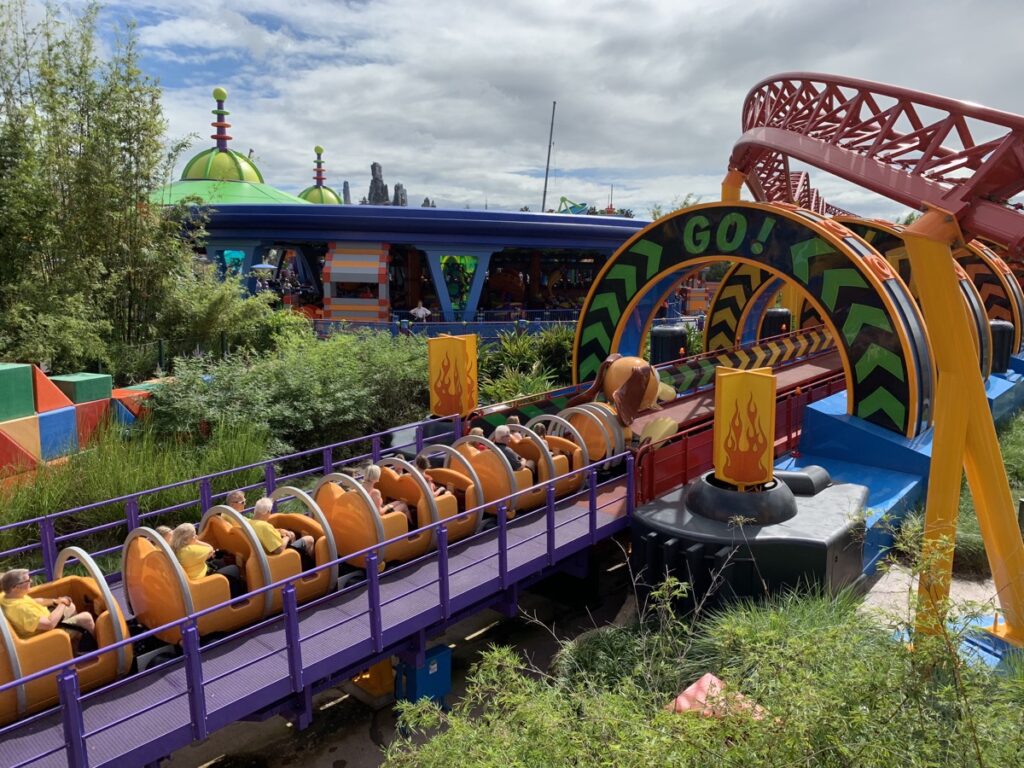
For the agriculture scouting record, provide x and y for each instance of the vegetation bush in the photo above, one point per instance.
(969, 558)
(116, 465)
(306, 394)
(836, 688)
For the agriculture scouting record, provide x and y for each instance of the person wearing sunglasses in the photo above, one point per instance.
(31, 615)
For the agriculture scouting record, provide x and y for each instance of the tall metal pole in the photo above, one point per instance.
(547, 166)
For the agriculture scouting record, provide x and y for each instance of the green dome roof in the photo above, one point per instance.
(215, 192)
(221, 165)
(321, 195)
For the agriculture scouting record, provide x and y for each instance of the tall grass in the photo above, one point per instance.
(969, 559)
(116, 465)
(835, 687)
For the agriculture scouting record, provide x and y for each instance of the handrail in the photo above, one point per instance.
(428, 496)
(345, 481)
(144, 532)
(193, 616)
(472, 440)
(542, 447)
(551, 418)
(113, 607)
(450, 453)
(242, 522)
(290, 491)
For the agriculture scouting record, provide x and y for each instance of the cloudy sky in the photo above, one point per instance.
(453, 97)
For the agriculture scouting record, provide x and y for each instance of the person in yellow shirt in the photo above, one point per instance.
(274, 540)
(31, 615)
(196, 558)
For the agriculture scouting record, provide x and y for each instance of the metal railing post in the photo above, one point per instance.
(291, 634)
(194, 677)
(74, 723)
(269, 478)
(502, 546)
(630, 486)
(131, 513)
(592, 504)
(375, 448)
(419, 438)
(442, 572)
(205, 495)
(373, 596)
(456, 426)
(48, 545)
(327, 456)
(549, 513)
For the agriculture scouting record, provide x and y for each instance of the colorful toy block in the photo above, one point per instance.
(24, 432)
(132, 399)
(58, 433)
(122, 413)
(48, 395)
(85, 387)
(14, 458)
(90, 416)
(16, 393)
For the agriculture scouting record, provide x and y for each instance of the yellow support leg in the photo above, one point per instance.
(965, 437)
(732, 185)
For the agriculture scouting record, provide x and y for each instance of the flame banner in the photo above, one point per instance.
(452, 364)
(744, 426)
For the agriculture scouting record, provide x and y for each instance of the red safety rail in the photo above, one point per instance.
(916, 148)
(673, 462)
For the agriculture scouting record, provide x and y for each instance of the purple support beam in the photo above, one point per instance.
(205, 495)
(630, 485)
(194, 676)
(269, 479)
(549, 512)
(48, 544)
(502, 546)
(328, 460)
(74, 724)
(443, 585)
(373, 597)
(592, 504)
(131, 513)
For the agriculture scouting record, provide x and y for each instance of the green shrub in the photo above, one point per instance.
(513, 383)
(554, 351)
(836, 688)
(308, 393)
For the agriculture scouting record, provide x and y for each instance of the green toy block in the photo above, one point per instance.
(85, 387)
(17, 397)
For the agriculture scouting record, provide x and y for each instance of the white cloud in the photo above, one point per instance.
(453, 97)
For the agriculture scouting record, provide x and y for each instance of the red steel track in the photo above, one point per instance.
(916, 148)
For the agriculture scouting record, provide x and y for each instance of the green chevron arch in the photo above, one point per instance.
(878, 330)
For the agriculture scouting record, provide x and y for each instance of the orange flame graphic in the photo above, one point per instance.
(448, 388)
(749, 464)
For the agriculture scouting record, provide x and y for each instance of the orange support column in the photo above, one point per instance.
(965, 437)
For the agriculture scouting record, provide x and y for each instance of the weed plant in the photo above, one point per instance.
(835, 687)
(115, 465)
(969, 559)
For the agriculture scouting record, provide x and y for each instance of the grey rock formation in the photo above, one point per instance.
(346, 195)
(426, 202)
(401, 198)
(378, 189)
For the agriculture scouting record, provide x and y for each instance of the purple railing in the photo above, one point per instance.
(49, 543)
(72, 699)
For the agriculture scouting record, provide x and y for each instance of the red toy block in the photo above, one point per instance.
(48, 396)
(90, 417)
(14, 458)
(132, 399)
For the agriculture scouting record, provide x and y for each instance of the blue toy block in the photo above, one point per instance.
(433, 680)
(58, 433)
(122, 414)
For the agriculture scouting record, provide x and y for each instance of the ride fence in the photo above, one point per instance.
(189, 499)
(487, 331)
(528, 545)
